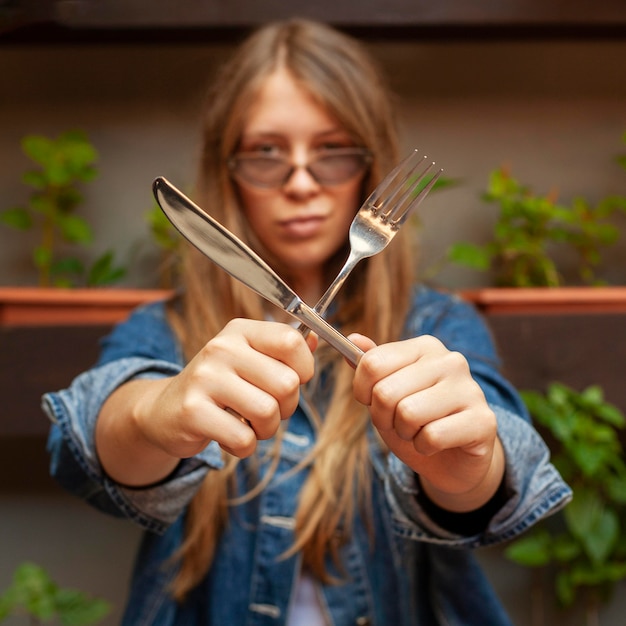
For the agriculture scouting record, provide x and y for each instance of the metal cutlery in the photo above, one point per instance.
(380, 217)
(236, 258)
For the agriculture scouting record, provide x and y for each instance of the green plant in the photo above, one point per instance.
(61, 164)
(530, 228)
(35, 594)
(585, 543)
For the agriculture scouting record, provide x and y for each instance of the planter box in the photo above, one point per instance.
(47, 337)
(546, 300)
(35, 306)
(569, 334)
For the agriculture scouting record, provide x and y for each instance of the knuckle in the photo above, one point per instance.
(429, 343)
(287, 384)
(190, 407)
(266, 408)
(429, 439)
(292, 339)
(217, 345)
(371, 363)
(455, 361)
(489, 421)
(384, 395)
(242, 441)
(405, 410)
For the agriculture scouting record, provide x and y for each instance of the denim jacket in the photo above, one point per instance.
(411, 572)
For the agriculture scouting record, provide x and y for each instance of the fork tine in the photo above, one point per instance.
(404, 190)
(410, 200)
(392, 179)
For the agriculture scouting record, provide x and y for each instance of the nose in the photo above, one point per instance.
(301, 182)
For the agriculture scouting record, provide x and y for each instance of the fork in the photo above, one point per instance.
(380, 217)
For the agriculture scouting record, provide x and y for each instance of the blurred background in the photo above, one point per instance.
(539, 89)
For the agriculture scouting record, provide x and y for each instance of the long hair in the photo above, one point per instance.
(343, 78)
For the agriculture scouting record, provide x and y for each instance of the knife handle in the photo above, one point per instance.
(328, 333)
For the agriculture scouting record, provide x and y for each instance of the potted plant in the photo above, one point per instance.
(583, 547)
(34, 594)
(49, 332)
(61, 166)
(530, 231)
(550, 324)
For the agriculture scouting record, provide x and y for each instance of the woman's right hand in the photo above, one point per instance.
(236, 390)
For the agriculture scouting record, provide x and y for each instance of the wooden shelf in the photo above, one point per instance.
(168, 21)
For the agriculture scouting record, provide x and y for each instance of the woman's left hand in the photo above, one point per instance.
(434, 417)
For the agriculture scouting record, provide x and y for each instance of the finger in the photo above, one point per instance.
(434, 383)
(283, 343)
(381, 362)
(274, 388)
(276, 364)
(312, 341)
(259, 408)
(223, 426)
(467, 430)
(438, 393)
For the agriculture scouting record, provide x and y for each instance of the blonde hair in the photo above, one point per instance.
(344, 79)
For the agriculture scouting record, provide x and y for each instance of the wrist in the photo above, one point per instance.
(128, 449)
(476, 497)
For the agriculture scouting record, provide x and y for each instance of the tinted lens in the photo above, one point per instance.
(338, 167)
(260, 171)
(329, 168)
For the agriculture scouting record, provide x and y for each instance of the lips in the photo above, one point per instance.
(302, 227)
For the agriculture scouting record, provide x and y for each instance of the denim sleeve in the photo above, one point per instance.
(74, 411)
(534, 486)
(535, 490)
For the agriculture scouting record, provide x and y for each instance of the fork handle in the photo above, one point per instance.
(324, 302)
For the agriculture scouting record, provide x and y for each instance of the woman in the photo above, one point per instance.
(276, 484)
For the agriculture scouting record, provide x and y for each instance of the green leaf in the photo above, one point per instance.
(595, 525)
(103, 272)
(34, 592)
(35, 178)
(68, 265)
(77, 609)
(600, 542)
(612, 415)
(471, 255)
(589, 457)
(40, 149)
(565, 590)
(17, 217)
(531, 550)
(75, 229)
(43, 204)
(565, 548)
(42, 257)
(616, 489)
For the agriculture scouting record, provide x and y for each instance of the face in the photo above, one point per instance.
(302, 222)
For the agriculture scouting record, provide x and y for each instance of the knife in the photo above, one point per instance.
(235, 257)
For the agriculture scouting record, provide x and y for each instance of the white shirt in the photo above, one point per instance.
(306, 609)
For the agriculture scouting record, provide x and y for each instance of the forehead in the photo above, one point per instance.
(281, 104)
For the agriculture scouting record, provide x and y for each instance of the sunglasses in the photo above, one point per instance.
(328, 167)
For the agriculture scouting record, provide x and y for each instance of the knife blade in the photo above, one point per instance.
(235, 257)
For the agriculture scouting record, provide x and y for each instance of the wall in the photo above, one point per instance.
(554, 111)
